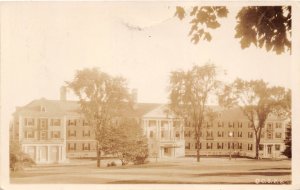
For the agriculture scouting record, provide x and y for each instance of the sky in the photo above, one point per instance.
(43, 44)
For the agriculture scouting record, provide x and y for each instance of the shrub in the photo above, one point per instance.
(113, 163)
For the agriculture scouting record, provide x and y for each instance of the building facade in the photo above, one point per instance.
(230, 134)
(53, 131)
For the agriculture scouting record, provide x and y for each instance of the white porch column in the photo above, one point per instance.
(48, 153)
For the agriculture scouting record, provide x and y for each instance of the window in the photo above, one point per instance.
(176, 123)
(196, 146)
(250, 134)
(44, 135)
(151, 134)
(209, 145)
(240, 145)
(230, 124)
(162, 134)
(86, 133)
(187, 134)
(72, 122)
(220, 133)
(86, 146)
(262, 135)
(55, 122)
(43, 109)
(177, 134)
(249, 125)
(29, 121)
(261, 147)
(55, 134)
(278, 125)
(209, 134)
(270, 126)
(71, 146)
(220, 145)
(250, 147)
(277, 146)
(277, 135)
(71, 133)
(208, 124)
(269, 135)
(152, 123)
(85, 123)
(240, 124)
(166, 150)
(29, 134)
(240, 134)
(187, 145)
(220, 124)
(43, 124)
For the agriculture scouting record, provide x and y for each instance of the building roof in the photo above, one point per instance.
(58, 108)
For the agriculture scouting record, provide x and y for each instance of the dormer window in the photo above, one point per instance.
(43, 109)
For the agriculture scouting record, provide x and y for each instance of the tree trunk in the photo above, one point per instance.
(257, 141)
(98, 157)
(198, 151)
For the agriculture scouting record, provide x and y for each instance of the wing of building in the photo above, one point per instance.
(52, 131)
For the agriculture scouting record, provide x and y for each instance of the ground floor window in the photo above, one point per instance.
(277, 147)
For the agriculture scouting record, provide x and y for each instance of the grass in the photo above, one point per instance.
(176, 171)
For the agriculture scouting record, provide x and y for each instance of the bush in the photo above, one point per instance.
(18, 159)
(140, 160)
(108, 165)
(113, 163)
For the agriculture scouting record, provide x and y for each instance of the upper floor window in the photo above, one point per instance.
(151, 134)
(240, 145)
(28, 134)
(55, 134)
(220, 133)
(43, 123)
(187, 134)
(86, 133)
(177, 134)
(269, 135)
(43, 135)
(72, 122)
(71, 133)
(152, 123)
(240, 134)
(71, 146)
(278, 125)
(29, 121)
(270, 126)
(250, 134)
(187, 145)
(43, 109)
(209, 134)
(176, 123)
(209, 145)
(220, 124)
(240, 124)
(277, 135)
(55, 122)
(86, 146)
(220, 145)
(250, 147)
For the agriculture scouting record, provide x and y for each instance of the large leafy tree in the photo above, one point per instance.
(128, 142)
(266, 27)
(258, 101)
(101, 96)
(189, 93)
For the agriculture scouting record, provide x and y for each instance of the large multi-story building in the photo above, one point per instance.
(230, 133)
(52, 131)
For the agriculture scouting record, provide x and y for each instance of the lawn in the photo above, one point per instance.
(180, 170)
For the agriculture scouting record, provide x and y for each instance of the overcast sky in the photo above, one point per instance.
(42, 45)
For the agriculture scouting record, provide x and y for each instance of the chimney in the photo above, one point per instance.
(134, 95)
(63, 93)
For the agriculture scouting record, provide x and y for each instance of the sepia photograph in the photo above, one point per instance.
(148, 93)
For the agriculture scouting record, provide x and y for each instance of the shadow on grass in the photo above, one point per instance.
(270, 169)
(240, 174)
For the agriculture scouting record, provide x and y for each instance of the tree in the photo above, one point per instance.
(100, 97)
(128, 142)
(17, 158)
(266, 27)
(189, 92)
(257, 100)
(288, 143)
